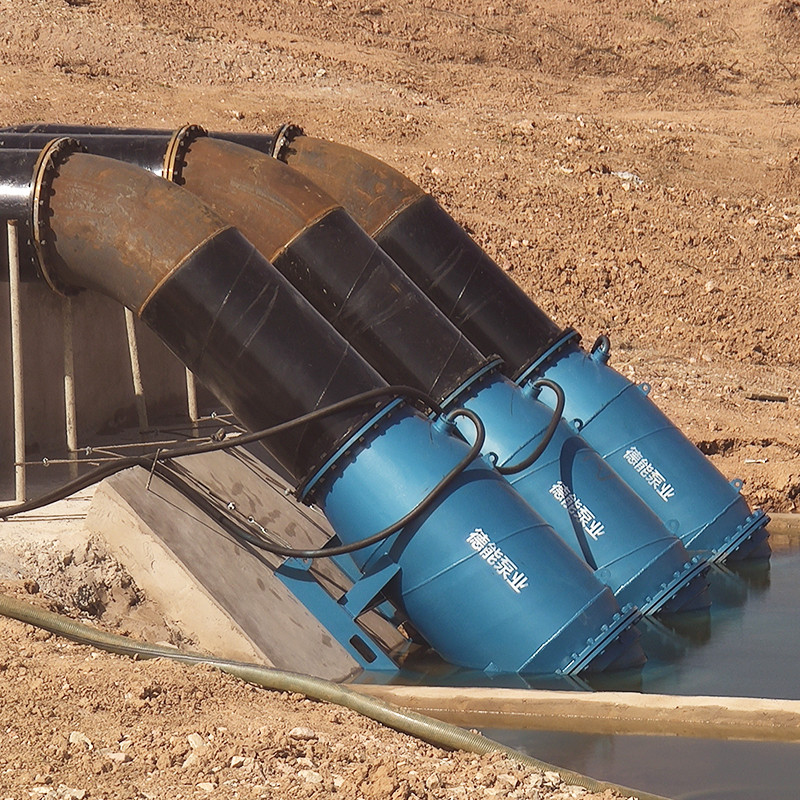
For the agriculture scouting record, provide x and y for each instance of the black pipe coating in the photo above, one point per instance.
(334, 264)
(467, 285)
(135, 145)
(235, 322)
(145, 151)
(427, 243)
(369, 300)
(16, 173)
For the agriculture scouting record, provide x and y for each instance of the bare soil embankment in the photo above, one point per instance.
(634, 166)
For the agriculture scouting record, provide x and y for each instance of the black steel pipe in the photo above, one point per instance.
(142, 146)
(437, 253)
(207, 292)
(484, 303)
(349, 280)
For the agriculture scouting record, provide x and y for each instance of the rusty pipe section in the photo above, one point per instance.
(94, 221)
(372, 191)
(271, 202)
(213, 299)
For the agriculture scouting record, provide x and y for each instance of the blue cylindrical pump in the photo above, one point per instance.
(583, 498)
(649, 452)
(480, 573)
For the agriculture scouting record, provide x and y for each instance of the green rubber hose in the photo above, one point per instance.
(433, 731)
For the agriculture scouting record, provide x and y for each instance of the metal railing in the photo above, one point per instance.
(74, 451)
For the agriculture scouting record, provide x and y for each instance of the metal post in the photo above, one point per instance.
(191, 396)
(136, 372)
(16, 359)
(71, 422)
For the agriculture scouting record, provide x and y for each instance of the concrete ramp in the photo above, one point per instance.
(223, 593)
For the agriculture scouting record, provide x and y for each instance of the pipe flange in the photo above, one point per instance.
(489, 365)
(283, 138)
(529, 370)
(326, 465)
(50, 159)
(175, 155)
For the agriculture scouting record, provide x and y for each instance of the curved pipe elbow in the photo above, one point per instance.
(103, 224)
(371, 191)
(280, 202)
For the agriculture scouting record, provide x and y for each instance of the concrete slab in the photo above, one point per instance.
(601, 712)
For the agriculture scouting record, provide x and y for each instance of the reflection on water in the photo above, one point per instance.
(679, 768)
(747, 645)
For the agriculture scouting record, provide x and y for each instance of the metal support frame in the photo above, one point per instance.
(70, 414)
(191, 398)
(136, 371)
(16, 360)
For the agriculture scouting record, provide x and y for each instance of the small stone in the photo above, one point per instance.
(76, 737)
(120, 758)
(508, 780)
(206, 786)
(190, 760)
(303, 733)
(320, 73)
(195, 741)
(237, 761)
(310, 776)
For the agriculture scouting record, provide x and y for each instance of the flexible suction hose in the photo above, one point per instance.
(435, 732)
(555, 420)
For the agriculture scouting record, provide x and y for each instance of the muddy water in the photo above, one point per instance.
(748, 645)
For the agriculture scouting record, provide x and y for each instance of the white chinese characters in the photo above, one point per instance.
(495, 558)
(646, 469)
(577, 510)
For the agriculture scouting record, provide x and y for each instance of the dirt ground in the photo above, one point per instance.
(634, 164)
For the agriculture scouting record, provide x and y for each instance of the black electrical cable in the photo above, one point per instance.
(205, 504)
(548, 434)
(148, 460)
